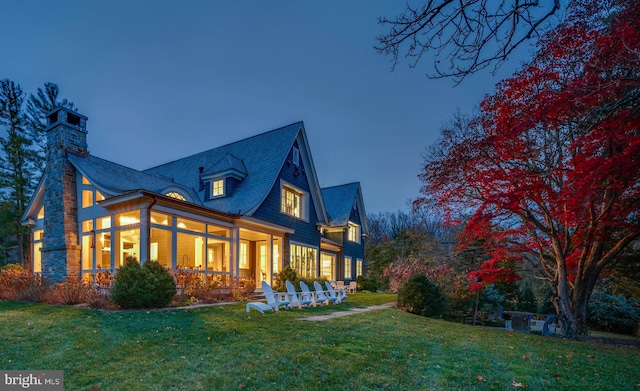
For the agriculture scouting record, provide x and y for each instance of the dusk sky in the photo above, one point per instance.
(161, 80)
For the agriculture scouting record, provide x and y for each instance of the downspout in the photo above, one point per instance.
(155, 200)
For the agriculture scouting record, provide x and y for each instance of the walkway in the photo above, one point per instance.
(349, 312)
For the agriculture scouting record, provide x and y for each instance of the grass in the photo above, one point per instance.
(224, 348)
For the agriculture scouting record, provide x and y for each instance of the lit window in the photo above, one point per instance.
(291, 202)
(326, 264)
(358, 267)
(87, 225)
(38, 237)
(37, 257)
(276, 256)
(176, 195)
(160, 249)
(128, 218)
(217, 188)
(190, 225)
(103, 223)
(354, 233)
(244, 262)
(347, 268)
(41, 213)
(160, 218)
(85, 181)
(304, 260)
(217, 255)
(99, 196)
(87, 198)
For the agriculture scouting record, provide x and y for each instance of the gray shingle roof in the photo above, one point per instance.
(228, 163)
(262, 157)
(339, 200)
(117, 179)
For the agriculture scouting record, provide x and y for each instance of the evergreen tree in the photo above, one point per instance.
(37, 107)
(18, 165)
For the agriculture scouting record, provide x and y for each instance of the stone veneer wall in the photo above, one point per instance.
(61, 248)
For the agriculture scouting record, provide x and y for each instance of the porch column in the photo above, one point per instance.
(144, 235)
(234, 262)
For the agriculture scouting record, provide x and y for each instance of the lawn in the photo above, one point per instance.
(224, 348)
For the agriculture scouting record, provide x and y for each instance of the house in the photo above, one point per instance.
(243, 210)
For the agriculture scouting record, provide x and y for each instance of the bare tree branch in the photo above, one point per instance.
(464, 36)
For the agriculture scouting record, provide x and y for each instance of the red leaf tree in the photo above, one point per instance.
(549, 170)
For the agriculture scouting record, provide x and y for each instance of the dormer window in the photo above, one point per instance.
(217, 188)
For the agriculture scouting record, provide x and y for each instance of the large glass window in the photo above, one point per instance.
(358, 267)
(190, 251)
(217, 255)
(347, 268)
(87, 198)
(38, 237)
(354, 233)
(128, 218)
(291, 202)
(160, 247)
(160, 218)
(304, 260)
(217, 231)
(326, 264)
(244, 255)
(275, 255)
(128, 245)
(191, 225)
(87, 252)
(89, 195)
(103, 251)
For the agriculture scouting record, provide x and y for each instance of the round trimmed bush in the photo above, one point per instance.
(422, 297)
(14, 267)
(146, 286)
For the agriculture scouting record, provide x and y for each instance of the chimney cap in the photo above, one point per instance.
(55, 110)
(68, 117)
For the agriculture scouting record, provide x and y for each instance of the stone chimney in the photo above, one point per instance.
(66, 133)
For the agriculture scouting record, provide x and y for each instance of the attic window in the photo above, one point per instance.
(176, 195)
(296, 156)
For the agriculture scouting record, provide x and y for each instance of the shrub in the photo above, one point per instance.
(72, 291)
(20, 285)
(422, 297)
(97, 299)
(147, 286)
(286, 274)
(13, 267)
(613, 313)
(367, 284)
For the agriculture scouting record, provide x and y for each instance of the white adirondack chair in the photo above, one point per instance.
(322, 297)
(339, 294)
(314, 295)
(273, 299)
(299, 298)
